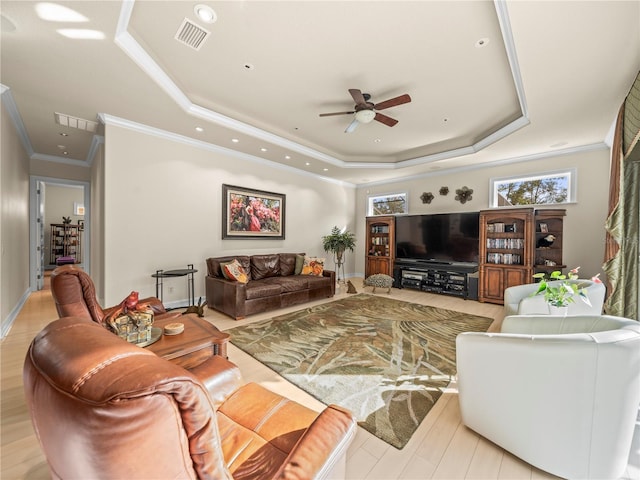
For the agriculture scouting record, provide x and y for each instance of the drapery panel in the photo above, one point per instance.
(622, 255)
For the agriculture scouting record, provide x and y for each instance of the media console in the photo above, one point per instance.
(459, 279)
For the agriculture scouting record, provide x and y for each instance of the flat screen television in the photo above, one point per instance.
(438, 238)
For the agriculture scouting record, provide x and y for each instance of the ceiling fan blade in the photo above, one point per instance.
(357, 96)
(393, 102)
(388, 121)
(352, 126)
(336, 113)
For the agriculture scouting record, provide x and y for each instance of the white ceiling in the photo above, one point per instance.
(550, 76)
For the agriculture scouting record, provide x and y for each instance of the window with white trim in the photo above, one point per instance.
(549, 188)
(391, 204)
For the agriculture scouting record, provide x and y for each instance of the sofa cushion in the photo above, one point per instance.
(214, 268)
(292, 283)
(318, 282)
(313, 266)
(265, 266)
(299, 264)
(261, 289)
(288, 264)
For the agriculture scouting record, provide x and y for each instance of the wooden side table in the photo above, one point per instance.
(199, 341)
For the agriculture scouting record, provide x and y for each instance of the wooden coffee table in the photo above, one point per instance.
(199, 341)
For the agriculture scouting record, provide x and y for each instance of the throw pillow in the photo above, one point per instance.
(299, 264)
(234, 271)
(313, 266)
(223, 269)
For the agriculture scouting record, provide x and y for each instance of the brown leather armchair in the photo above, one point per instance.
(103, 408)
(75, 296)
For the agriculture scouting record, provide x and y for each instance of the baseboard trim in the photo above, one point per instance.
(8, 322)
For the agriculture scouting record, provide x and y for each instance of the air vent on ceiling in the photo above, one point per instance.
(75, 122)
(191, 34)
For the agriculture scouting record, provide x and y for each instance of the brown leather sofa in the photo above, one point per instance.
(103, 408)
(272, 284)
(75, 296)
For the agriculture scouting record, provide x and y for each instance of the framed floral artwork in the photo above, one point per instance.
(249, 213)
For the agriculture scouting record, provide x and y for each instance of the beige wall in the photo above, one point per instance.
(584, 223)
(43, 168)
(163, 204)
(14, 222)
(96, 224)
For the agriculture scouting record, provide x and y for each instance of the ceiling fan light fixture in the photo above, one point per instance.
(365, 116)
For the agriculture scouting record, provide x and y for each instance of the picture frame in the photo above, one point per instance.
(78, 208)
(81, 225)
(252, 214)
(544, 228)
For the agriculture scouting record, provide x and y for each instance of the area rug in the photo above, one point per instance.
(386, 360)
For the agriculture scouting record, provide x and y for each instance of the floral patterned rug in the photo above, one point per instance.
(386, 360)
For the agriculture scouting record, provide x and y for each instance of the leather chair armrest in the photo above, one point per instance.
(322, 447)
(155, 304)
(159, 310)
(220, 377)
(332, 275)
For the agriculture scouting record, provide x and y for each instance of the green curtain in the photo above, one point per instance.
(622, 264)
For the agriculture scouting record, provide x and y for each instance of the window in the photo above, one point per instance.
(548, 188)
(387, 204)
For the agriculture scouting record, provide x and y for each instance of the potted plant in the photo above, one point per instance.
(337, 242)
(561, 292)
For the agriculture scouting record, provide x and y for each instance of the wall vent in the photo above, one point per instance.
(75, 122)
(191, 34)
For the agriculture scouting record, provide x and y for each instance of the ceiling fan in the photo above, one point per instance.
(366, 111)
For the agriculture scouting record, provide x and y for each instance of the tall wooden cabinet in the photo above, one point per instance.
(380, 245)
(548, 250)
(506, 251)
(66, 241)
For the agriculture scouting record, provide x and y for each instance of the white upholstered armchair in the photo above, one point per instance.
(561, 393)
(518, 299)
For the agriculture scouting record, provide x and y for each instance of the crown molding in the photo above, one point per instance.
(16, 119)
(175, 137)
(494, 163)
(139, 56)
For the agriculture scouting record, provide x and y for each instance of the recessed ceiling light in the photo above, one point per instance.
(64, 134)
(307, 164)
(235, 140)
(81, 33)
(325, 169)
(377, 140)
(66, 153)
(199, 129)
(52, 12)
(205, 13)
(263, 149)
(288, 157)
(483, 42)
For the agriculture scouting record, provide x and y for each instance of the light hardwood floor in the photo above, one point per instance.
(441, 448)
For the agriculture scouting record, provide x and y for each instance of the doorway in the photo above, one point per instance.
(58, 205)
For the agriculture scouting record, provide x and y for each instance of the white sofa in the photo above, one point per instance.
(561, 393)
(518, 299)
